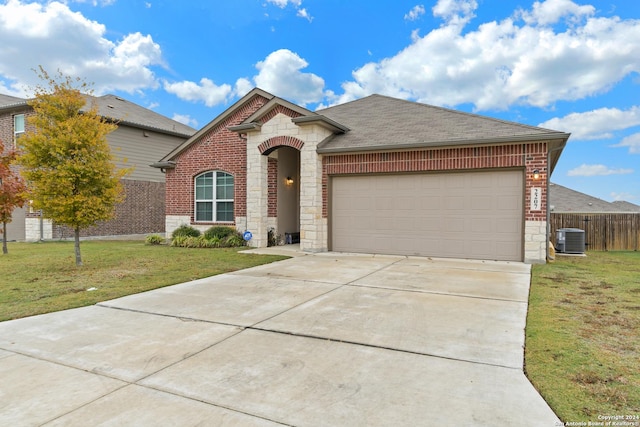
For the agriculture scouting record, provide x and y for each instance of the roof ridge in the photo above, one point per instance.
(448, 110)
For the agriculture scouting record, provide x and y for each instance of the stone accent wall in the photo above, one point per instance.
(36, 230)
(280, 128)
(142, 212)
(535, 242)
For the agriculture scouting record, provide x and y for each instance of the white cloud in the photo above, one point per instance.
(283, 3)
(415, 13)
(597, 170)
(81, 49)
(243, 86)
(205, 91)
(551, 11)
(280, 74)
(618, 197)
(556, 51)
(302, 13)
(595, 124)
(631, 141)
(185, 119)
(455, 11)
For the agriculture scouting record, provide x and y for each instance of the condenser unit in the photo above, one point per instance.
(570, 241)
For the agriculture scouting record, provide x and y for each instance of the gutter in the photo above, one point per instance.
(558, 148)
(450, 143)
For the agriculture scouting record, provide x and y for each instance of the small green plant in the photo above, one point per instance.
(185, 231)
(222, 232)
(154, 239)
(273, 239)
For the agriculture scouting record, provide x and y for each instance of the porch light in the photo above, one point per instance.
(289, 180)
(536, 174)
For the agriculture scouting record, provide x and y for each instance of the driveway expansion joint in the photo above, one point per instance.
(381, 347)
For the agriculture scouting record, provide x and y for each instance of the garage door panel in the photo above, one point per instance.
(462, 215)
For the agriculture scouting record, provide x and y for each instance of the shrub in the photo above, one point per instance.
(178, 241)
(154, 239)
(220, 231)
(235, 241)
(185, 231)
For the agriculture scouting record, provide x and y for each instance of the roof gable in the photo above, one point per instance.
(168, 160)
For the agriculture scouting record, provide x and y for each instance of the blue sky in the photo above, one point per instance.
(560, 64)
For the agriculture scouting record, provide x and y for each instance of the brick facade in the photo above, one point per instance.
(142, 212)
(530, 157)
(272, 188)
(219, 149)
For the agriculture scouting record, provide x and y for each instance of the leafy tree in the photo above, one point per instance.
(66, 159)
(12, 191)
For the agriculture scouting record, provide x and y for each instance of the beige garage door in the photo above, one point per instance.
(475, 215)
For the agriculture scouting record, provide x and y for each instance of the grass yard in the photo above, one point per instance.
(583, 336)
(42, 277)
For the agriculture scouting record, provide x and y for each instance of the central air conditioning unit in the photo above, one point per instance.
(570, 241)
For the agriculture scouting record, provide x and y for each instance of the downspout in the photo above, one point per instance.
(561, 147)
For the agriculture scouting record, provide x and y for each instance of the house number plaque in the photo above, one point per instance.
(536, 199)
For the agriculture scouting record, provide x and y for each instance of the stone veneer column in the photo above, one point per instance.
(257, 196)
(313, 227)
(535, 242)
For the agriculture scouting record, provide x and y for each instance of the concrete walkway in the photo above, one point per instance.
(316, 340)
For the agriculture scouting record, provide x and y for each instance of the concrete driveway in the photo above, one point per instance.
(316, 340)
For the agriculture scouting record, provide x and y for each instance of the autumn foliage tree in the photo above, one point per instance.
(12, 190)
(66, 159)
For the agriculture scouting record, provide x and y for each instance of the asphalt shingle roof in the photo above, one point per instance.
(566, 200)
(119, 109)
(381, 122)
(7, 100)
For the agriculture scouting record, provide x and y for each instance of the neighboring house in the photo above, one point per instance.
(376, 175)
(566, 200)
(141, 137)
(607, 226)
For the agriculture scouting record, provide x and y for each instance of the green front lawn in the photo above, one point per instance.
(40, 278)
(583, 335)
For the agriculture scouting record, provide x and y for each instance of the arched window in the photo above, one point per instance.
(214, 197)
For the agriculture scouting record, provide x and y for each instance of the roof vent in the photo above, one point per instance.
(119, 99)
(110, 106)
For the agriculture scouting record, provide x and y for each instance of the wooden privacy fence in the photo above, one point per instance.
(602, 231)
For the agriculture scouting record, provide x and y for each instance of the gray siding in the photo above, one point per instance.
(140, 151)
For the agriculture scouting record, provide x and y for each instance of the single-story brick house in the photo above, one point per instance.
(375, 175)
(141, 137)
(566, 200)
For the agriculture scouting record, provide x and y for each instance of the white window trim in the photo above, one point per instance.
(17, 134)
(213, 201)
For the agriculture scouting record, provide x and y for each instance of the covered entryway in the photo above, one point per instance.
(473, 215)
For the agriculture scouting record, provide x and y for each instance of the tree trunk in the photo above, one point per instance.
(4, 238)
(77, 247)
